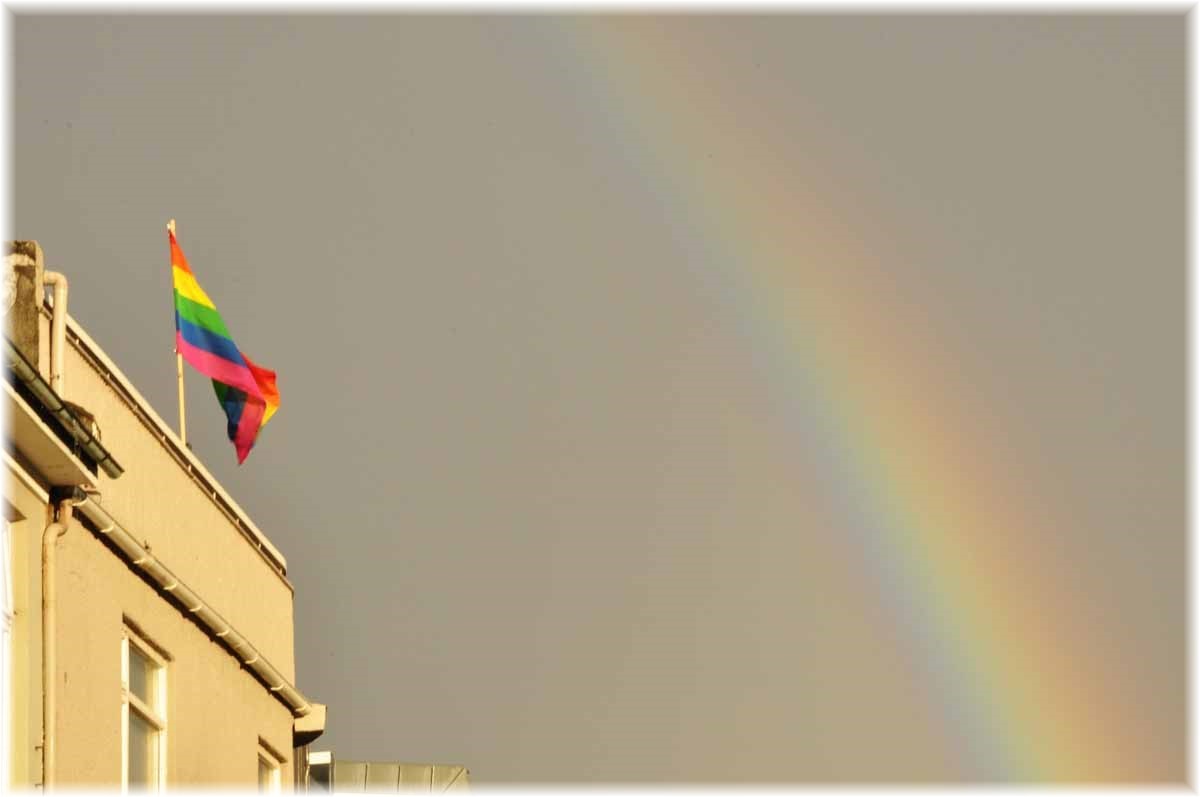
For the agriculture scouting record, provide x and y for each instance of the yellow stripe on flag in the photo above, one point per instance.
(187, 286)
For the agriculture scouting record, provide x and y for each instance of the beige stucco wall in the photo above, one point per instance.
(216, 711)
(156, 501)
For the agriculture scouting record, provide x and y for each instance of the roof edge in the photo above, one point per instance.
(141, 559)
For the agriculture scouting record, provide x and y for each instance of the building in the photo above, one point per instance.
(147, 622)
(327, 774)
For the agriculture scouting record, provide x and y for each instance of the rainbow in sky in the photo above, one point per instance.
(946, 541)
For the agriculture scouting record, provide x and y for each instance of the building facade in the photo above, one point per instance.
(147, 623)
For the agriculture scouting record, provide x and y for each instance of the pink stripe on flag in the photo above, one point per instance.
(218, 368)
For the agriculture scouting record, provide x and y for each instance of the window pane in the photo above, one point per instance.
(142, 673)
(143, 752)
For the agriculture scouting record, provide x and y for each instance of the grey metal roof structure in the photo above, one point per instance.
(379, 777)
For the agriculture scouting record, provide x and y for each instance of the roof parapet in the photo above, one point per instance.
(187, 461)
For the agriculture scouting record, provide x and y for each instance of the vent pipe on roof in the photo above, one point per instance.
(58, 328)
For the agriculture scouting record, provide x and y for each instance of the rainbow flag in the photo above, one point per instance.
(246, 391)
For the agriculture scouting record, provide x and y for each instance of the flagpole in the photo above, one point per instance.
(179, 372)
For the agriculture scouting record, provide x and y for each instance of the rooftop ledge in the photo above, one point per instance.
(181, 453)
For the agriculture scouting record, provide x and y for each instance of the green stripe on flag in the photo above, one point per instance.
(200, 315)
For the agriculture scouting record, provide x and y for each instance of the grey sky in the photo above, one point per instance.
(696, 399)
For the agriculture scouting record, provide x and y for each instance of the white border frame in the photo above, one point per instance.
(522, 6)
(895, 6)
(7, 693)
(1193, 221)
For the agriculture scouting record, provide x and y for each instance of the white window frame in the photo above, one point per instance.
(131, 702)
(267, 756)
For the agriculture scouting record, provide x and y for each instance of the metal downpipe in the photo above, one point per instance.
(53, 531)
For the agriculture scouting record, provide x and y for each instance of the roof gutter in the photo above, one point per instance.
(146, 563)
(82, 436)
